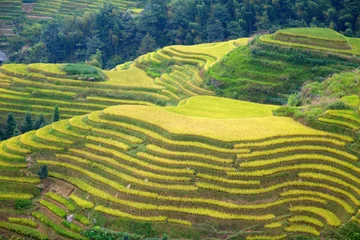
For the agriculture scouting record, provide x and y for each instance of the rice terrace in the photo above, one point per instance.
(173, 119)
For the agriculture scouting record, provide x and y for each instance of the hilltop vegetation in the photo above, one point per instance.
(146, 160)
(146, 150)
(272, 69)
(121, 36)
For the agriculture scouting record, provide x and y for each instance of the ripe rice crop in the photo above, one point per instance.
(157, 149)
(20, 179)
(239, 206)
(65, 128)
(44, 134)
(266, 237)
(58, 229)
(60, 199)
(120, 101)
(12, 195)
(26, 139)
(329, 216)
(299, 149)
(12, 145)
(339, 122)
(5, 154)
(339, 201)
(306, 219)
(78, 123)
(320, 167)
(101, 194)
(110, 142)
(81, 202)
(134, 170)
(324, 177)
(99, 178)
(82, 219)
(302, 229)
(215, 214)
(254, 191)
(134, 180)
(226, 130)
(23, 221)
(72, 226)
(54, 208)
(115, 212)
(95, 118)
(226, 180)
(117, 134)
(275, 141)
(185, 163)
(130, 159)
(298, 157)
(179, 221)
(23, 230)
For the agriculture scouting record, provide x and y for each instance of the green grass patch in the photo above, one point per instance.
(215, 107)
(84, 72)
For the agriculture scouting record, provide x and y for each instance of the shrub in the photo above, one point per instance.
(338, 105)
(23, 204)
(43, 172)
(84, 72)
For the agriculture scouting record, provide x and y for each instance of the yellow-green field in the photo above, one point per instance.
(178, 167)
(151, 147)
(214, 107)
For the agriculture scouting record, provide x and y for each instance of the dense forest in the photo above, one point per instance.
(110, 36)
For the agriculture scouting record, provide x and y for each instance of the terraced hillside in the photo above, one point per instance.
(9, 11)
(38, 87)
(270, 176)
(57, 8)
(322, 39)
(274, 66)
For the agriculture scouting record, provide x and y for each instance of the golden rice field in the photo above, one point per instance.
(179, 168)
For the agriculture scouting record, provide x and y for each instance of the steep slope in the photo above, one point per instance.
(274, 66)
(179, 170)
(38, 87)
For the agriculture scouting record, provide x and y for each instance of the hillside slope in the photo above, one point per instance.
(274, 66)
(178, 170)
(38, 87)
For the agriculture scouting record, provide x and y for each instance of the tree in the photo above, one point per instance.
(51, 38)
(16, 132)
(43, 172)
(56, 114)
(10, 126)
(39, 122)
(28, 124)
(148, 44)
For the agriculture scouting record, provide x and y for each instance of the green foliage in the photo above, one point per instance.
(39, 122)
(85, 72)
(10, 126)
(28, 124)
(43, 172)
(56, 114)
(23, 204)
(98, 233)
